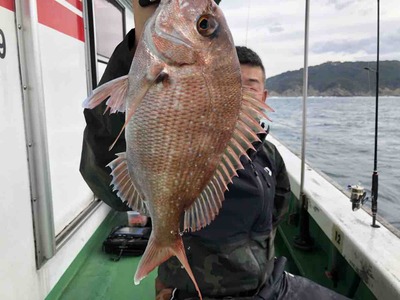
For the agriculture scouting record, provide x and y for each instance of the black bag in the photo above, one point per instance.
(127, 240)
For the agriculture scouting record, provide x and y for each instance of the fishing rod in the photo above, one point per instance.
(374, 188)
(357, 192)
(303, 240)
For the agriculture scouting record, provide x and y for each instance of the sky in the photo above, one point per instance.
(340, 30)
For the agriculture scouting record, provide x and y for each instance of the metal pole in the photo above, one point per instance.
(374, 189)
(36, 130)
(304, 240)
(305, 92)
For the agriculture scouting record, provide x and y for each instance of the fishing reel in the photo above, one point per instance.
(357, 196)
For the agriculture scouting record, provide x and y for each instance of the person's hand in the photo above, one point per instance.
(141, 14)
(162, 291)
(164, 294)
(144, 3)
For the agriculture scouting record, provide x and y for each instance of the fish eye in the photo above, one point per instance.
(206, 25)
(203, 25)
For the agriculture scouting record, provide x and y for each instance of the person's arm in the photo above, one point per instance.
(282, 188)
(282, 191)
(102, 129)
(282, 194)
(141, 15)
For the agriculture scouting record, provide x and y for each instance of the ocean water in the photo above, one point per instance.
(340, 142)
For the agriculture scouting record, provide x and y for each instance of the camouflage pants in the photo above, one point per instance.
(289, 287)
(231, 270)
(280, 286)
(224, 298)
(300, 288)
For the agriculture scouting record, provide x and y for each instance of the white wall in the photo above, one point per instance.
(17, 253)
(19, 278)
(64, 84)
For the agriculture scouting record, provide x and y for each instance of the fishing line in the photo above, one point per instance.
(247, 22)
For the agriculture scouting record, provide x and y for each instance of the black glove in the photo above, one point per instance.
(270, 288)
(144, 3)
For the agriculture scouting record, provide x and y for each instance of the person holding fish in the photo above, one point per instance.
(193, 156)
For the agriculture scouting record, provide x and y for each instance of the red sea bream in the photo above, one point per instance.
(188, 121)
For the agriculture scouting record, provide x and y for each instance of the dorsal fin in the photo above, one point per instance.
(207, 205)
(124, 185)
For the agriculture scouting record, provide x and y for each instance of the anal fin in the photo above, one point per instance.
(124, 185)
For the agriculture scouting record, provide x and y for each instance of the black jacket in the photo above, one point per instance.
(102, 130)
(256, 200)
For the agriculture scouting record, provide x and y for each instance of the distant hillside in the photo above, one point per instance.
(339, 79)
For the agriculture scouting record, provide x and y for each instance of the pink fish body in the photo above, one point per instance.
(188, 121)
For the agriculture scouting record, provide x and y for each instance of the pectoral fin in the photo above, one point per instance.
(115, 90)
(155, 73)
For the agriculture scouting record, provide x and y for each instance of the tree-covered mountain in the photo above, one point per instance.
(339, 79)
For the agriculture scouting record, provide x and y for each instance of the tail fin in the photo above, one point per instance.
(155, 255)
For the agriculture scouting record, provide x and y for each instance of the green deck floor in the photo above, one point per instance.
(93, 275)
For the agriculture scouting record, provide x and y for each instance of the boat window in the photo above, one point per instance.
(94, 29)
(109, 24)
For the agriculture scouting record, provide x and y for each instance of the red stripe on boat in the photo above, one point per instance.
(60, 18)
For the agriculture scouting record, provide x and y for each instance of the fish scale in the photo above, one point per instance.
(187, 122)
(168, 123)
